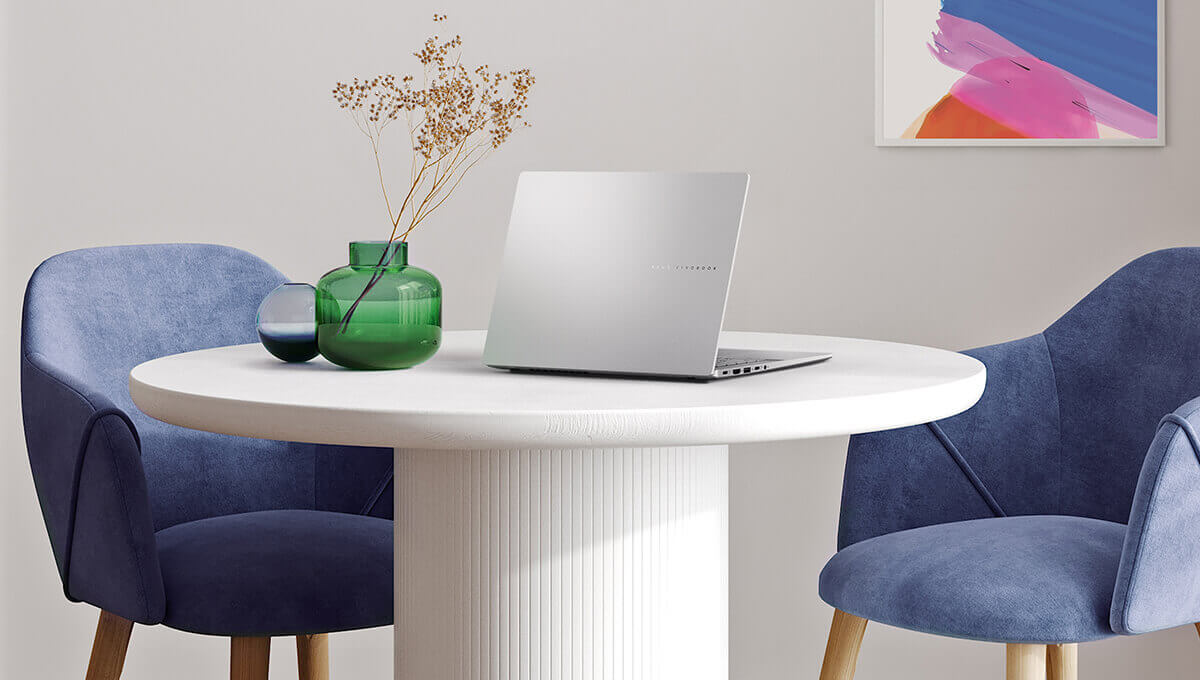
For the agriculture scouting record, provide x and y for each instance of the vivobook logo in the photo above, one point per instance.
(683, 267)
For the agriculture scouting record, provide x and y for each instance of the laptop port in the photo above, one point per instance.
(737, 371)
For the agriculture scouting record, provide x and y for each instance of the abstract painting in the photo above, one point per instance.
(1019, 72)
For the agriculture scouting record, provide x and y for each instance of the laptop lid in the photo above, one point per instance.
(616, 272)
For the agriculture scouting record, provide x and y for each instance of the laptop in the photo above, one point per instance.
(623, 273)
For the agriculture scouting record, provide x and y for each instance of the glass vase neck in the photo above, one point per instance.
(378, 253)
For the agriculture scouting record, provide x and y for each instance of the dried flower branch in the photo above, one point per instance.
(455, 117)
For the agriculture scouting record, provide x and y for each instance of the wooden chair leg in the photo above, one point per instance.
(1062, 662)
(312, 656)
(841, 653)
(1026, 662)
(108, 649)
(249, 658)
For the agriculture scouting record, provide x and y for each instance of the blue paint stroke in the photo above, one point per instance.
(1112, 44)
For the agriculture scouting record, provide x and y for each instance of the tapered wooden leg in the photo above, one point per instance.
(1026, 662)
(249, 658)
(841, 653)
(108, 649)
(312, 655)
(1062, 662)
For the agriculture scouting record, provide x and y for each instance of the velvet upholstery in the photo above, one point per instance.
(1061, 430)
(1034, 578)
(902, 479)
(1158, 585)
(115, 563)
(89, 317)
(278, 572)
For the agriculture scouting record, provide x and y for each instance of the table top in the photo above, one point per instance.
(453, 401)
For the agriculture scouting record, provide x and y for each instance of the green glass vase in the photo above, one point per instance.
(378, 312)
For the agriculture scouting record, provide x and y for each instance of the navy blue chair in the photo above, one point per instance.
(1038, 518)
(157, 524)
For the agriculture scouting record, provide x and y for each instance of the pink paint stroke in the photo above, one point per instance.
(1031, 97)
(1020, 90)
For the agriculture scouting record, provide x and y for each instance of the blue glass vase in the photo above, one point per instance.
(287, 322)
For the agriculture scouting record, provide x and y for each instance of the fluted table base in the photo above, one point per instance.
(581, 564)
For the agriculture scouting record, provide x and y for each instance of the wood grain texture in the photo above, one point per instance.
(1062, 662)
(1025, 662)
(249, 658)
(108, 649)
(841, 652)
(312, 656)
(586, 564)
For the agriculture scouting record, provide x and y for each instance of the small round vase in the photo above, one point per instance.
(287, 324)
(378, 312)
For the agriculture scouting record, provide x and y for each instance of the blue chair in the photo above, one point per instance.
(1038, 518)
(157, 524)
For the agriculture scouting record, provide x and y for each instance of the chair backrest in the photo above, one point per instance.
(1064, 423)
(94, 314)
(1125, 356)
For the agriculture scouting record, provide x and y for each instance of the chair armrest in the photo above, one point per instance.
(104, 545)
(1158, 581)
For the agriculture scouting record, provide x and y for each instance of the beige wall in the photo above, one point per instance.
(210, 121)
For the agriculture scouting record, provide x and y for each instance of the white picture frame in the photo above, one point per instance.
(882, 139)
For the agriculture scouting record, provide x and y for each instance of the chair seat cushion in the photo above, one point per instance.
(1013, 579)
(277, 572)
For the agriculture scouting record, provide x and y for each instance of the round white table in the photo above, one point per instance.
(552, 527)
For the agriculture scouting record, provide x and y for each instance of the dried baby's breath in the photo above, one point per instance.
(455, 117)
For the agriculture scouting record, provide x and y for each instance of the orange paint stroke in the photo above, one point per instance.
(950, 118)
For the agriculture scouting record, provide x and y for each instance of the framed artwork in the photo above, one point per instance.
(1020, 72)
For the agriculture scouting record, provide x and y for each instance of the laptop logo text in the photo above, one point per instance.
(682, 267)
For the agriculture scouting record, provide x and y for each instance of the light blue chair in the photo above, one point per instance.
(1039, 518)
(157, 524)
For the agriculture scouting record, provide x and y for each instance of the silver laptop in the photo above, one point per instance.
(623, 273)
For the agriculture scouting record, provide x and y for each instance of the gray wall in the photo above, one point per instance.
(212, 122)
